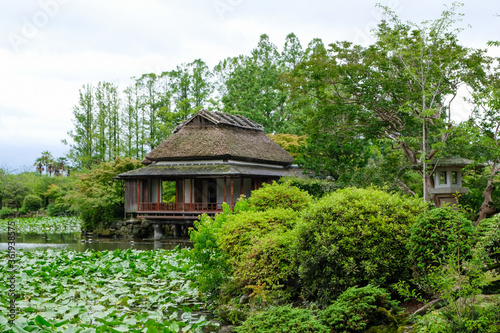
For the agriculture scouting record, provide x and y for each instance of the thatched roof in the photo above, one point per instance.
(211, 170)
(214, 135)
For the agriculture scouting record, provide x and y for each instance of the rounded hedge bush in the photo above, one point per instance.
(354, 237)
(357, 309)
(32, 202)
(283, 319)
(259, 244)
(279, 196)
(488, 241)
(435, 236)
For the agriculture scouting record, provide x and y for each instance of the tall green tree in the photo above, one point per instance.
(130, 122)
(400, 87)
(16, 188)
(486, 121)
(83, 149)
(432, 64)
(148, 85)
(252, 87)
(101, 121)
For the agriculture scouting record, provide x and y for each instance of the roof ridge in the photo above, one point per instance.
(218, 117)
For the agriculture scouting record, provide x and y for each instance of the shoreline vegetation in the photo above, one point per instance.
(264, 265)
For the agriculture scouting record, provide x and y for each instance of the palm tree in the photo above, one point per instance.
(44, 161)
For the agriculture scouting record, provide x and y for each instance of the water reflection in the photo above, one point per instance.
(73, 241)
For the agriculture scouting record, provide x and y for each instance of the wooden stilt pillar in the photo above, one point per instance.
(158, 232)
(241, 186)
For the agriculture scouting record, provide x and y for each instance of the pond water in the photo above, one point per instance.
(73, 241)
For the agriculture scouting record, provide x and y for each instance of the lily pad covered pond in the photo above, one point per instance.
(121, 290)
(59, 288)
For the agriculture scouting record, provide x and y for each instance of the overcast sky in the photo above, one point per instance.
(50, 48)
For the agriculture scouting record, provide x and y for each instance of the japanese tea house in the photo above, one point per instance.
(213, 158)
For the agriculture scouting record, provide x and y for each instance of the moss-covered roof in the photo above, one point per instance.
(449, 161)
(211, 170)
(220, 139)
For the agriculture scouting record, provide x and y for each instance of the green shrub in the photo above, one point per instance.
(433, 322)
(58, 208)
(5, 212)
(252, 243)
(432, 236)
(481, 318)
(214, 269)
(100, 216)
(315, 187)
(279, 196)
(283, 319)
(269, 263)
(354, 237)
(32, 202)
(488, 238)
(259, 246)
(100, 199)
(357, 309)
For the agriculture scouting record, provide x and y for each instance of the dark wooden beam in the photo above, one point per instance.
(138, 195)
(183, 192)
(232, 192)
(225, 189)
(158, 183)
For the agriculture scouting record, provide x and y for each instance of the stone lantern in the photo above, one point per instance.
(448, 180)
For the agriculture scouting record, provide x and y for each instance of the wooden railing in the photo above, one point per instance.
(179, 207)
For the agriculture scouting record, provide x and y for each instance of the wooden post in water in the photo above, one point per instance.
(158, 232)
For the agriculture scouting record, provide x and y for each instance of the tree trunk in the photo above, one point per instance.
(486, 208)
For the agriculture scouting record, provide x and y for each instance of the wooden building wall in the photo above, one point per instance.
(131, 196)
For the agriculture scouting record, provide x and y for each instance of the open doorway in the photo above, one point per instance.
(168, 191)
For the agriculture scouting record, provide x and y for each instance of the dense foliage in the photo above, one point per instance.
(354, 237)
(284, 196)
(283, 319)
(99, 197)
(32, 202)
(315, 187)
(488, 238)
(253, 243)
(125, 291)
(432, 237)
(357, 309)
(458, 277)
(214, 269)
